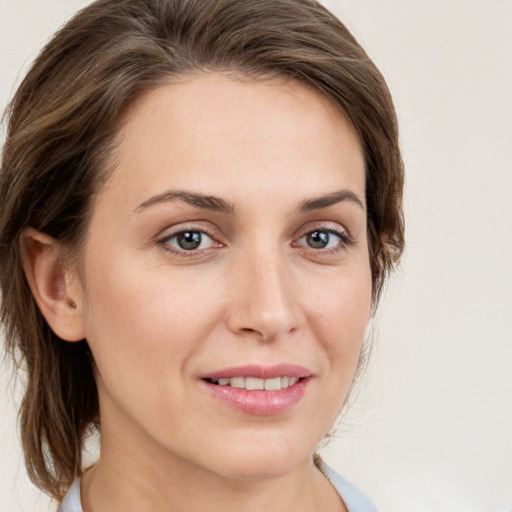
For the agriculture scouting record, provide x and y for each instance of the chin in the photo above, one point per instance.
(264, 469)
(264, 460)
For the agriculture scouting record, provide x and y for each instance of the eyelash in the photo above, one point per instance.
(345, 241)
(164, 242)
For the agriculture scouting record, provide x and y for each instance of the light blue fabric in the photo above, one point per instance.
(71, 502)
(354, 499)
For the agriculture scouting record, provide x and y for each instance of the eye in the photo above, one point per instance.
(323, 239)
(189, 240)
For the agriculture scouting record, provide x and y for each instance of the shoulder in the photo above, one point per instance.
(355, 500)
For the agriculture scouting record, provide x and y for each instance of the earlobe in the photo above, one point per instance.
(51, 284)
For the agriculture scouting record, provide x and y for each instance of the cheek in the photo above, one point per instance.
(339, 314)
(143, 331)
(342, 307)
(149, 322)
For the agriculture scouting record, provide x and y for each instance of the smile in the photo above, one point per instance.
(259, 390)
(253, 383)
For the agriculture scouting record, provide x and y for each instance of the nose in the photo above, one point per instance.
(264, 299)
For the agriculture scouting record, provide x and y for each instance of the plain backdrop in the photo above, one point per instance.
(432, 428)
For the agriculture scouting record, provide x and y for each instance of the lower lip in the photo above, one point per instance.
(260, 402)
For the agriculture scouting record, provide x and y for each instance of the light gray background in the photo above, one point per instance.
(432, 430)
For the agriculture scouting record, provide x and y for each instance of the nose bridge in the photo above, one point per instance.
(264, 301)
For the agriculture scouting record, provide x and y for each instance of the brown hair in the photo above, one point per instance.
(61, 129)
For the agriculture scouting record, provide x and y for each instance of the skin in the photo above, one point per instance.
(157, 317)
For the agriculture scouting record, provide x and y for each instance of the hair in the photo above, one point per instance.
(61, 130)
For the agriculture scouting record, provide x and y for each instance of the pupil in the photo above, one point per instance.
(189, 240)
(318, 239)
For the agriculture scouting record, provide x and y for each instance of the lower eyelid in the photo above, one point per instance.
(343, 240)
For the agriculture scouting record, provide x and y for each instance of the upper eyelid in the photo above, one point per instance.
(215, 233)
(333, 226)
(171, 231)
(174, 234)
(165, 242)
(344, 237)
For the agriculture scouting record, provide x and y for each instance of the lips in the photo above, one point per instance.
(260, 390)
(253, 383)
(260, 372)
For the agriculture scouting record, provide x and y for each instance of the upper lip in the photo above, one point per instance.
(260, 372)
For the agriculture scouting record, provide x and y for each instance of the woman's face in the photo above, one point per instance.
(227, 252)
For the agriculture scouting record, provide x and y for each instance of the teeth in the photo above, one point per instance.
(253, 383)
(237, 382)
(273, 384)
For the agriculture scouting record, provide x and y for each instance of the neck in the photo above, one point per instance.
(137, 473)
(104, 489)
(131, 482)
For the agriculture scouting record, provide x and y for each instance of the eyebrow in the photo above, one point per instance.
(213, 203)
(205, 202)
(317, 203)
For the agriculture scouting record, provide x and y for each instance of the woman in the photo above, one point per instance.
(201, 202)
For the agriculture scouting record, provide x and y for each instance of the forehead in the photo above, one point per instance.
(209, 129)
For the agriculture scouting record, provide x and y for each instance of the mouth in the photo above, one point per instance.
(259, 390)
(254, 383)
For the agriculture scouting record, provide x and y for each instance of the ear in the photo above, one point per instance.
(55, 289)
